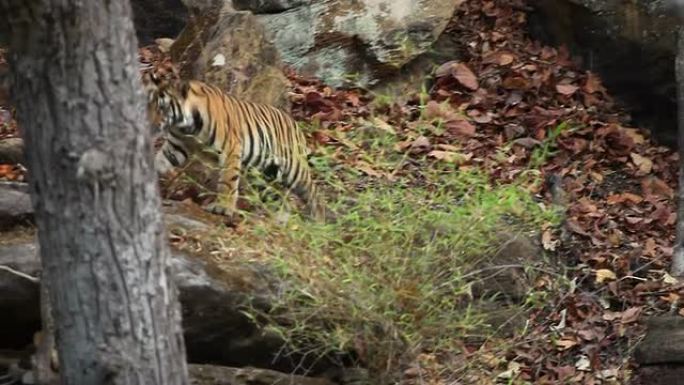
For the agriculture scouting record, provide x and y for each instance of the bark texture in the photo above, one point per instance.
(677, 268)
(104, 252)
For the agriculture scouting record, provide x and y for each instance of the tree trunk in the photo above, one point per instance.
(677, 268)
(103, 248)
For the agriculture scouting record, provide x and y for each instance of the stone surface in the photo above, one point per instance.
(357, 42)
(11, 151)
(659, 375)
(362, 43)
(504, 272)
(504, 281)
(199, 6)
(631, 44)
(15, 205)
(267, 6)
(229, 49)
(213, 300)
(220, 375)
(664, 342)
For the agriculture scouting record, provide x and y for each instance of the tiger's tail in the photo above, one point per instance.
(307, 191)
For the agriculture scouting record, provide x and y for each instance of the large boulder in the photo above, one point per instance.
(242, 45)
(229, 48)
(631, 44)
(359, 42)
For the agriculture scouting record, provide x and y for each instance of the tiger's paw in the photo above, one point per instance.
(224, 211)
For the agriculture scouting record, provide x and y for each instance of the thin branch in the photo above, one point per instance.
(19, 274)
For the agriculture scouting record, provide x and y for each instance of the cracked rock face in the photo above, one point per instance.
(358, 42)
(344, 43)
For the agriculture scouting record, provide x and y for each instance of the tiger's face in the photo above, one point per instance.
(159, 99)
(167, 105)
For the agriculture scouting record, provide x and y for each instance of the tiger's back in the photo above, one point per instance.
(242, 133)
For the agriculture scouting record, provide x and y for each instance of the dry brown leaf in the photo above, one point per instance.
(592, 84)
(650, 247)
(465, 76)
(516, 83)
(566, 89)
(527, 142)
(566, 343)
(368, 169)
(418, 145)
(445, 69)
(635, 135)
(449, 156)
(603, 275)
(630, 315)
(548, 242)
(447, 147)
(644, 164)
(501, 58)
(443, 111)
(632, 197)
(381, 124)
(656, 186)
(460, 127)
(611, 315)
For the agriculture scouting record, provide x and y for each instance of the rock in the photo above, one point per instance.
(504, 282)
(213, 301)
(239, 44)
(12, 151)
(504, 271)
(158, 18)
(229, 49)
(660, 354)
(218, 375)
(663, 343)
(632, 45)
(199, 374)
(164, 44)
(15, 205)
(659, 375)
(357, 42)
(199, 6)
(267, 6)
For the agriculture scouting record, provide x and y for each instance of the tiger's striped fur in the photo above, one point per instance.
(192, 114)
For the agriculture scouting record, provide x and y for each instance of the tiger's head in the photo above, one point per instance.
(166, 103)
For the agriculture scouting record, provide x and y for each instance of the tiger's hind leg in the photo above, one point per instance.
(228, 181)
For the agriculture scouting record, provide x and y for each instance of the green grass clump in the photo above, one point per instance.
(390, 278)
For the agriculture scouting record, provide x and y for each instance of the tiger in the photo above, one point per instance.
(192, 115)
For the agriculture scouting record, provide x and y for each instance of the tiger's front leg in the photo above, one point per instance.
(228, 181)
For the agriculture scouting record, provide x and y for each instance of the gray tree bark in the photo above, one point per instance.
(103, 248)
(677, 268)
